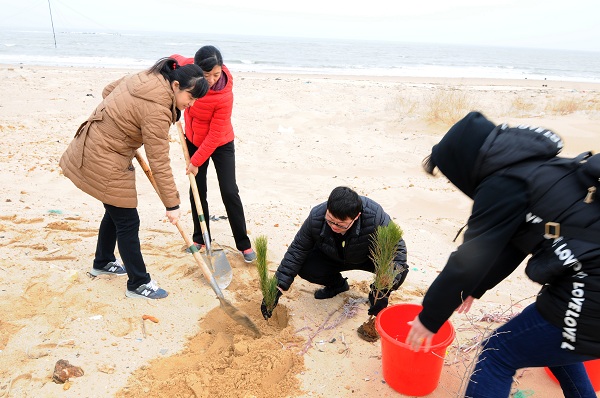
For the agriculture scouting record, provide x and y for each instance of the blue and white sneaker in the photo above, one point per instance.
(113, 268)
(148, 290)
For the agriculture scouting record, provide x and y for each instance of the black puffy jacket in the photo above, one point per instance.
(315, 233)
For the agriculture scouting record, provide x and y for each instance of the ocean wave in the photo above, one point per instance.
(139, 50)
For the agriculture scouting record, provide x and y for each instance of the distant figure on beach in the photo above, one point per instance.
(136, 110)
(337, 237)
(209, 135)
(526, 201)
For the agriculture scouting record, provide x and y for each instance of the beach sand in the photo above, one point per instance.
(297, 137)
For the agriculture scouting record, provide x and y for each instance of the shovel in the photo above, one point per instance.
(216, 261)
(229, 309)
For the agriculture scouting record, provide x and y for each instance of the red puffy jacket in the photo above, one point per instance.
(208, 122)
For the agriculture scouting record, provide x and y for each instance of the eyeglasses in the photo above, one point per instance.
(344, 227)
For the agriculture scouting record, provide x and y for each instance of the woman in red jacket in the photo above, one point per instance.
(209, 135)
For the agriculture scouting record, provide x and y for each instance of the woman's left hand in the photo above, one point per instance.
(191, 169)
(419, 335)
(465, 306)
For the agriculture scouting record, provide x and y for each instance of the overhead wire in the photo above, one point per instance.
(67, 19)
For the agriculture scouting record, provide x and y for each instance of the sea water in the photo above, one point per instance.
(139, 50)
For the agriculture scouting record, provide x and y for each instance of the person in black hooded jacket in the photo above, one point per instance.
(519, 185)
(336, 237)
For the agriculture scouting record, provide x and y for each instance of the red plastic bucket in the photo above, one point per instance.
(406, 371)
(593, 371)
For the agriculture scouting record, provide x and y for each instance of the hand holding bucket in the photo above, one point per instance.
(418, 336)
(413, 373)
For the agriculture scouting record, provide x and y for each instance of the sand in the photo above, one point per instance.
(297, 137)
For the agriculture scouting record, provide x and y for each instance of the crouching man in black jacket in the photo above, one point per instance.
(336, 237)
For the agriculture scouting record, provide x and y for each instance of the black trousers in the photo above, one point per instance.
(224, 160)
(121, 226)
(322, 270)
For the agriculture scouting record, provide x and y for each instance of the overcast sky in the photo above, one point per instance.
(521, 23)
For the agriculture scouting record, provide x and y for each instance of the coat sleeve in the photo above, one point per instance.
(483, 259)
(400, 264)
(507, 262)
(155, 135)
(219, 128)
(296, 255)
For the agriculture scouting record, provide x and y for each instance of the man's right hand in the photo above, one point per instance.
(266, 313)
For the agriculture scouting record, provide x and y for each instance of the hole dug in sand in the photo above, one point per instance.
(224, 360)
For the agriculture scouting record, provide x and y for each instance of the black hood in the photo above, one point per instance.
(475, 148)
(456, 154)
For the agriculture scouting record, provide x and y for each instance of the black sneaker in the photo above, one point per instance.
(148, 290)
(332, 291)
(113, 268)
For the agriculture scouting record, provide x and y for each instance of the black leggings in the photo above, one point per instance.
(224, 160)
(121, 226)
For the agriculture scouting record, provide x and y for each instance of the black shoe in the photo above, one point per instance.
(332, 291)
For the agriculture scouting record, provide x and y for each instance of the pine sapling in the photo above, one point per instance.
(268, 284)
(384, 244)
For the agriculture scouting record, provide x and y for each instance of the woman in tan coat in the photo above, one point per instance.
(137, 110)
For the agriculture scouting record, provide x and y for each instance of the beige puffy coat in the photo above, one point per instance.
(137, 110)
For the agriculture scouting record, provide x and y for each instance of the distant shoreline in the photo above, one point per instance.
(432, 80)
(291, 56)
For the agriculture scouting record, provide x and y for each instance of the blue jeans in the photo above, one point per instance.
(527, 341)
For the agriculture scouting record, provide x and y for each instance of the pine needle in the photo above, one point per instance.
(384, 244)
(268, 284)
(260, 246)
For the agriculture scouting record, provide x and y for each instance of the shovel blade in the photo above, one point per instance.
(239, 316)
(220, 268)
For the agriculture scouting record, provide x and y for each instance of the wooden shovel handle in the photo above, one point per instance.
(195, 193)
(229, 309)
(186, 153)
(146, 168)
(205, 270)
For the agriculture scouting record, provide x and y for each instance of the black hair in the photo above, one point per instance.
(344, 203)
(190, 77)
(428, 165)
(207, 57)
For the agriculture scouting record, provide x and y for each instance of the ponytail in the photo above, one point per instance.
(189, 76)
